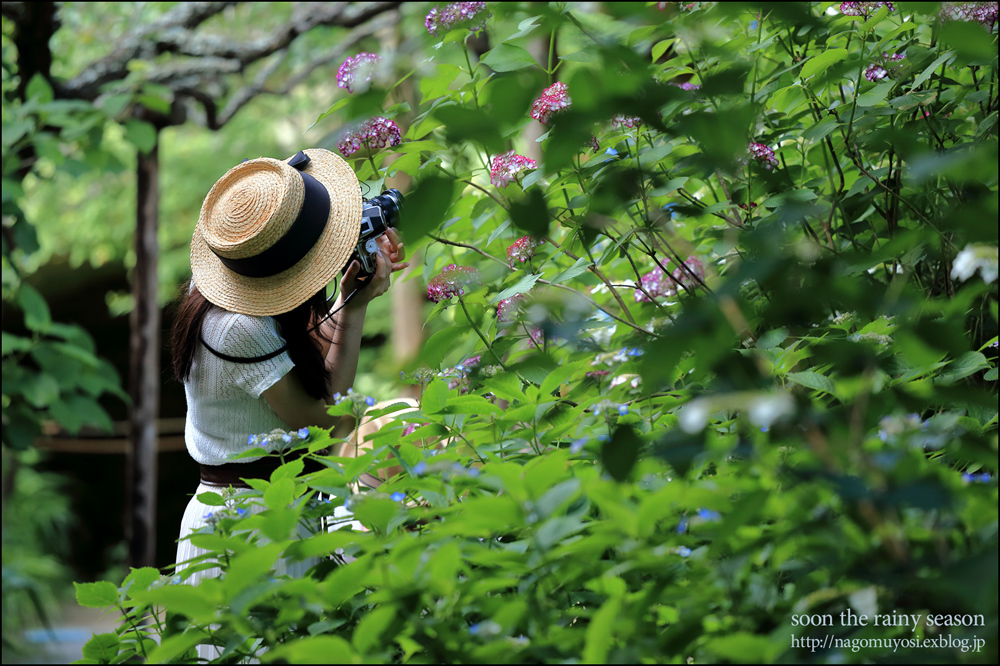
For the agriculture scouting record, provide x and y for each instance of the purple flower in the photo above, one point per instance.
(360, 65)
(983, 13)
(506, 167)
(453, 15)
(452, 281)
(554, 98)
(625, 122)
(373, 134)
(687, 86)
(875, 72)
(866, 9)
(522, 250)
(764, 155)
(508, 308)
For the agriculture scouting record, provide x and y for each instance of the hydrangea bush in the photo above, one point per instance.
(712, 367)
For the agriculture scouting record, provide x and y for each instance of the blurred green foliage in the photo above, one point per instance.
(638, 467)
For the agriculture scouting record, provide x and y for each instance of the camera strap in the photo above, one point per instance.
(268, 356)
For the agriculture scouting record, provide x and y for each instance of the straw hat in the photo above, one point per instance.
(273, 233)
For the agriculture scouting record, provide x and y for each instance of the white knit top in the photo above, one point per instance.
(224, 406)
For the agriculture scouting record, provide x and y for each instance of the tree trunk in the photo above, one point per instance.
(144, 370)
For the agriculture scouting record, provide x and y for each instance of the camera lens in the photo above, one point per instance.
(390, 202)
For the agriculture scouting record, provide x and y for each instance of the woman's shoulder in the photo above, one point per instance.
(240, 334)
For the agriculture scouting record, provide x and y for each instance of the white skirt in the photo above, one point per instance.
(196, 516)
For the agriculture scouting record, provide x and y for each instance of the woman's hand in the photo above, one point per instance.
(389, 259)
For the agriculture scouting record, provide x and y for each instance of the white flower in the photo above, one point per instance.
(693, 416)
(976, 257)
(766, 409)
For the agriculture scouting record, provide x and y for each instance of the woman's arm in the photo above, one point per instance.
(287, 397)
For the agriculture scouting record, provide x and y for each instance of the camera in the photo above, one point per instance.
(377, 214)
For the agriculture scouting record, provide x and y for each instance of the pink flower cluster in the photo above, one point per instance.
(764, 155)
(554, 98)
(362, 64)
(866, 9)
(622, 121)
(983, 13)
(508, 308)
(375, 133)
(452, 281)
(456, 14)
(659, 285)
(522, 250)
(505, 167)
(878, 70)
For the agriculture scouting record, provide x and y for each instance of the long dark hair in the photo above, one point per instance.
(295, 327)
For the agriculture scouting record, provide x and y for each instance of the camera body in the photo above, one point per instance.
(377, 214)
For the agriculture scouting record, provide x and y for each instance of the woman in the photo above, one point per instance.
(271, 236)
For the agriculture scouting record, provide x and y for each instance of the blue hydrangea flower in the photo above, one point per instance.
(370, 401)
(753, 26)
(622, 410)
(303, 433)
(287, 438)
(683, 551)
(209, 515)
(611, 151)
(708, 514)
(397, 496)
(603, 438)
(251, 440)
(474, 629)
(337, 397)
(682, 526)
(473, 472)
(577, 445)
(457, 468)
(240, 511)
(420, 468)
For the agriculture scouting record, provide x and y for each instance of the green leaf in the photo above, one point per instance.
(876, 95)
(140, 579)
(507, 58)
(930, 69)
(36, 310)
(426, 207)
(102, 648)
(969, 40)
(96, 595)
(435, 397)
(813, 380)
(211, 499)
(522, 286)
(314, 650)
(470, 404)
(439, 345)
(371, 627)
(280, 494)
(39, 90)
(579, 267)
(967, 364)
(599, 640)
(174, 646)
(772, 338)
(140, 134)
(620, 453)
(822, 62)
